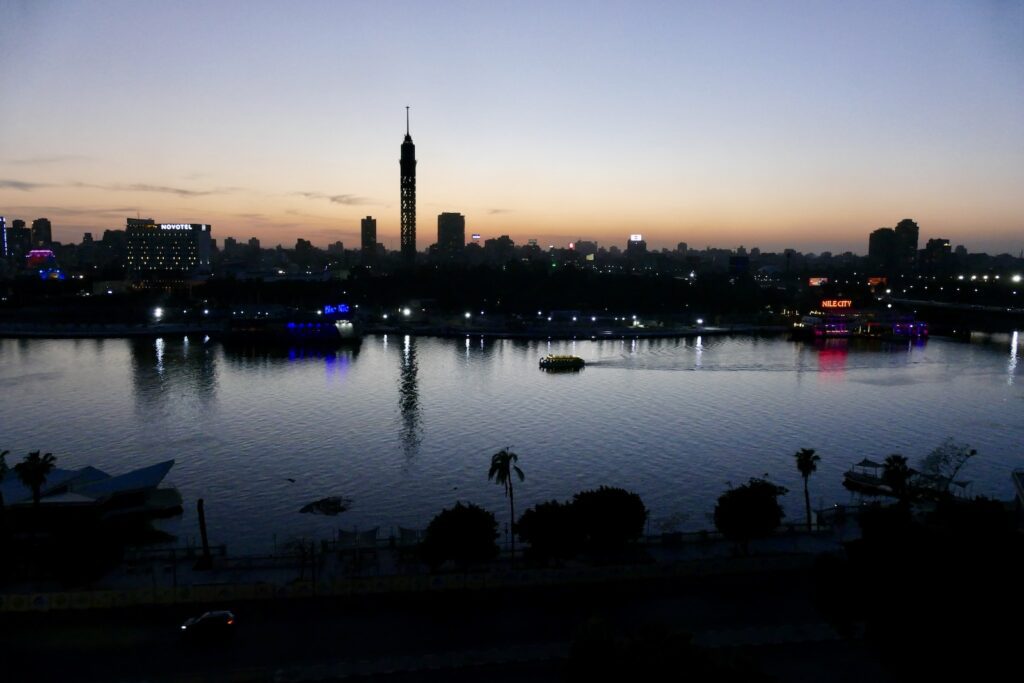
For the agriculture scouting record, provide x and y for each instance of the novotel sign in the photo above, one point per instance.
(175, 226)
(837, 303)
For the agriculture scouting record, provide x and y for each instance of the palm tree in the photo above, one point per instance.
(897, 475)
(807, 463)
(33, 471)
(503, 466)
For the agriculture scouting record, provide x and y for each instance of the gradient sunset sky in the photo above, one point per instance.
(770, 124)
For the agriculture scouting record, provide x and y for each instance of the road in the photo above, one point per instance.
(331, 639)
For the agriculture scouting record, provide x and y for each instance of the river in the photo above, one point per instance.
(406, 425)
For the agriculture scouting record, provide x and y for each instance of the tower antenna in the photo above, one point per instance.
(407, 120)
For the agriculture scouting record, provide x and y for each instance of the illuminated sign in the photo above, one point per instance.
(817, 281)
(572, 245)
(175, 226)
(340, 308)
(636, 238)
(875, 281)
(476, 235)
(837, 303)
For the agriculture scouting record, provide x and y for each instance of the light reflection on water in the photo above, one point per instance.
(405, 426)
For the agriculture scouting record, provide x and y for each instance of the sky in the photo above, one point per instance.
(781, 124)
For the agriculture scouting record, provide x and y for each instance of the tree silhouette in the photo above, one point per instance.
(464, 533)
(33, 471)
(503, 467)
(749, 511)
(896, 474)
(807, 462)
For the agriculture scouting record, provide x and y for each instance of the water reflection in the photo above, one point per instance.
(409, 398)
(832, 356)
(1011, 367)
(164, 370)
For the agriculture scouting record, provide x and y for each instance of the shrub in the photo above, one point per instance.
(464, 534)
(749, 511)
(608, 518)
(550, 530)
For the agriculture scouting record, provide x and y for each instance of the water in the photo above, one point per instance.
(407, 425)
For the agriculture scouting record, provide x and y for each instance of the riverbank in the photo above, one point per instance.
(217, 330)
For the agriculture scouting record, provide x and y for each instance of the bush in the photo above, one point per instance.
(749, 511)
(550, 530)
(608, 518)
(464, 534)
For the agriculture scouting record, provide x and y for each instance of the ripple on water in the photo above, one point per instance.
(404, 431)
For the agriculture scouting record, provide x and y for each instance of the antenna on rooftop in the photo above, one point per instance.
(407, 120)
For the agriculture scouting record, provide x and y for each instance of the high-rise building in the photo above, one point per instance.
(42, 232)
(636, 245)
(408, 194)
(906, 236)
(368, 235)
(882, 247)
(18, 239)
(451, 232)
(3, 236)
(167, 248)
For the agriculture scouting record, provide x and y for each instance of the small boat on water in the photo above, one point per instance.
(551, 362)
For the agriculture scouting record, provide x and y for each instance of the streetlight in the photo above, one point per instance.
(158, 313)
(406, 312)
(467, 315)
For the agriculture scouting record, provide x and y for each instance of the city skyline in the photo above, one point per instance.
(807, 126)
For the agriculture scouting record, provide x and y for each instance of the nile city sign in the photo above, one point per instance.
(836, 303)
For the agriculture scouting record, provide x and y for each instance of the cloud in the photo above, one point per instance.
(494, 211)
(20, 185)
(54, 159)
(346, 199)
(158, 189)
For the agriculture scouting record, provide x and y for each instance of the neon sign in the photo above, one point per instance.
(340, 308)
(636, 238)
(837, 303)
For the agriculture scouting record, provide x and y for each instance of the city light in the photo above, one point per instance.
(158, 313)
(1016, 278)
(406, 312)
(700, 321)
(468, 315)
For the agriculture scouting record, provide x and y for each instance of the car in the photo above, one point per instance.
(209, 625)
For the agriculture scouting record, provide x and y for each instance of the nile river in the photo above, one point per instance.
(406, 425)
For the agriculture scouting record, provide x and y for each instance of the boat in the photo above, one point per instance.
(552, 362)
(866, 477)
(328, 326)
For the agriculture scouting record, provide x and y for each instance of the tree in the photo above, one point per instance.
(465, 534)
(807, 463)
(749, 511)
(946, 461)
(608, 518)
(896, 474)
(33, 471)
(550, 530)
(503, 467)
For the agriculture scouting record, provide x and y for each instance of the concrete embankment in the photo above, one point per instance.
(101, 330)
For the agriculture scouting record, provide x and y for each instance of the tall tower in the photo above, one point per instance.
(408, 166)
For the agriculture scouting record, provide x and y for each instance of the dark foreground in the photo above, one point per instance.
(763, 626)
